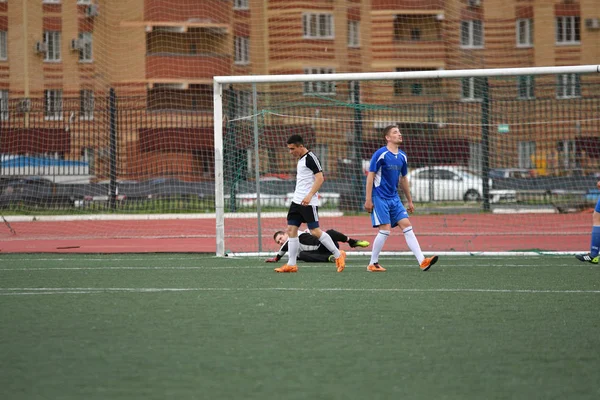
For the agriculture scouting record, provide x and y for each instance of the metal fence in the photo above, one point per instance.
(119, 153)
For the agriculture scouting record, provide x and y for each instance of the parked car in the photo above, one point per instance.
(510, 173)
(445, 183)
(34, 191)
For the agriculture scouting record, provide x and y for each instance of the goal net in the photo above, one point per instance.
(497, 158)
(107, 127)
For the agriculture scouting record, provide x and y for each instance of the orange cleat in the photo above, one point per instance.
(375, 268)
(287, 268)
(428, 262)
(340, 262)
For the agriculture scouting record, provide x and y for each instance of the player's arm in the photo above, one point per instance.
(369, 192)
(280, 254)
(405, 186)
(319, 179)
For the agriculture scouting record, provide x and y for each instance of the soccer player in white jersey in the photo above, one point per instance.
(388, 166)
(309, 178)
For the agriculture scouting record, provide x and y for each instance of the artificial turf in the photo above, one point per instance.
(183, 326)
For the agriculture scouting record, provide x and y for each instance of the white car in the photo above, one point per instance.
(445, 183)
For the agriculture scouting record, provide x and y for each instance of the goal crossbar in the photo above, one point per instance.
(371, 76)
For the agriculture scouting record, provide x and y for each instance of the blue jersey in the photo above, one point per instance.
(388, 168)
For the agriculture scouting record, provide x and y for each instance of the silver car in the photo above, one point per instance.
(445, 183)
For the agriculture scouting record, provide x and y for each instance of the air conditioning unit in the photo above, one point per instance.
(77, 44)
(474, 3)
(91, 10)
(24, 106)
(592, 23)
(41, 47)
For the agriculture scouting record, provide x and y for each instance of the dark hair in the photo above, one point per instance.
(387, 129)
(277, 233)
(295, 139)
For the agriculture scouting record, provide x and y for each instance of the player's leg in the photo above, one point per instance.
(595, 245)
(315, 256)
(380, 218)
(593, 256)
(311, 214)
(294, 221)
(340, 237)
(327, 242)
(400, 214)
(337, 237)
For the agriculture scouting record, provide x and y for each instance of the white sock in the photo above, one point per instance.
(326, 240)
(293, 247)
(378, 245)
(413, 244)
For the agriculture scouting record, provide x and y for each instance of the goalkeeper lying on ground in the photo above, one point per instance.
(311, 250)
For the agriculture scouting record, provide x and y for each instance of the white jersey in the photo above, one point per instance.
(308, 166)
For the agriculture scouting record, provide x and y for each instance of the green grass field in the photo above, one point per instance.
(171, 326)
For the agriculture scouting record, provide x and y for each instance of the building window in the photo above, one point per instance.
(51, 1)
(568, 30)
(3, 46)
(3, 105)
(86, 104)
(568, 86)
(472, 88)
(53, 104)
(243, 103)
(317, 26)
(319, 87)
(526, 152)
(353, 89)
(471, 34)
(525, 32)
(353, 33)
(240, 4)
(416, 87)
(85, 49)
(415, 34)
(525, 87)
(52, 41)
(84, 1)
(242, 50)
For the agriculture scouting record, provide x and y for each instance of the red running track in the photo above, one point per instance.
(436, 233)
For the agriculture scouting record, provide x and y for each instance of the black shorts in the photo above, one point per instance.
(299, 214)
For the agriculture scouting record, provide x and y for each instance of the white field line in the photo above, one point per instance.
(404, 265)
(350, 254)
(38, 291)
(441, 253)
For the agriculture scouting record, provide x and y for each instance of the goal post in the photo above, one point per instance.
(469, 123)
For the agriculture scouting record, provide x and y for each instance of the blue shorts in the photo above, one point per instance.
(387, 211)
(597, 209)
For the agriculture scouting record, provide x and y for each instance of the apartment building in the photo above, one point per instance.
(59, 60)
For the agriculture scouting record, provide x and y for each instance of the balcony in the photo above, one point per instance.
(210, 11)
(197, 68)
(429, 53)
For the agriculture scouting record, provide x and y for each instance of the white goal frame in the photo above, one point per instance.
(220, 81)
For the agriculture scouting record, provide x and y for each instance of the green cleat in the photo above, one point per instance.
(358, 243)
(588, 258)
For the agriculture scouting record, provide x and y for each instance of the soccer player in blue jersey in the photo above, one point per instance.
(593, 256)
(304, 209)
(388, 166)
